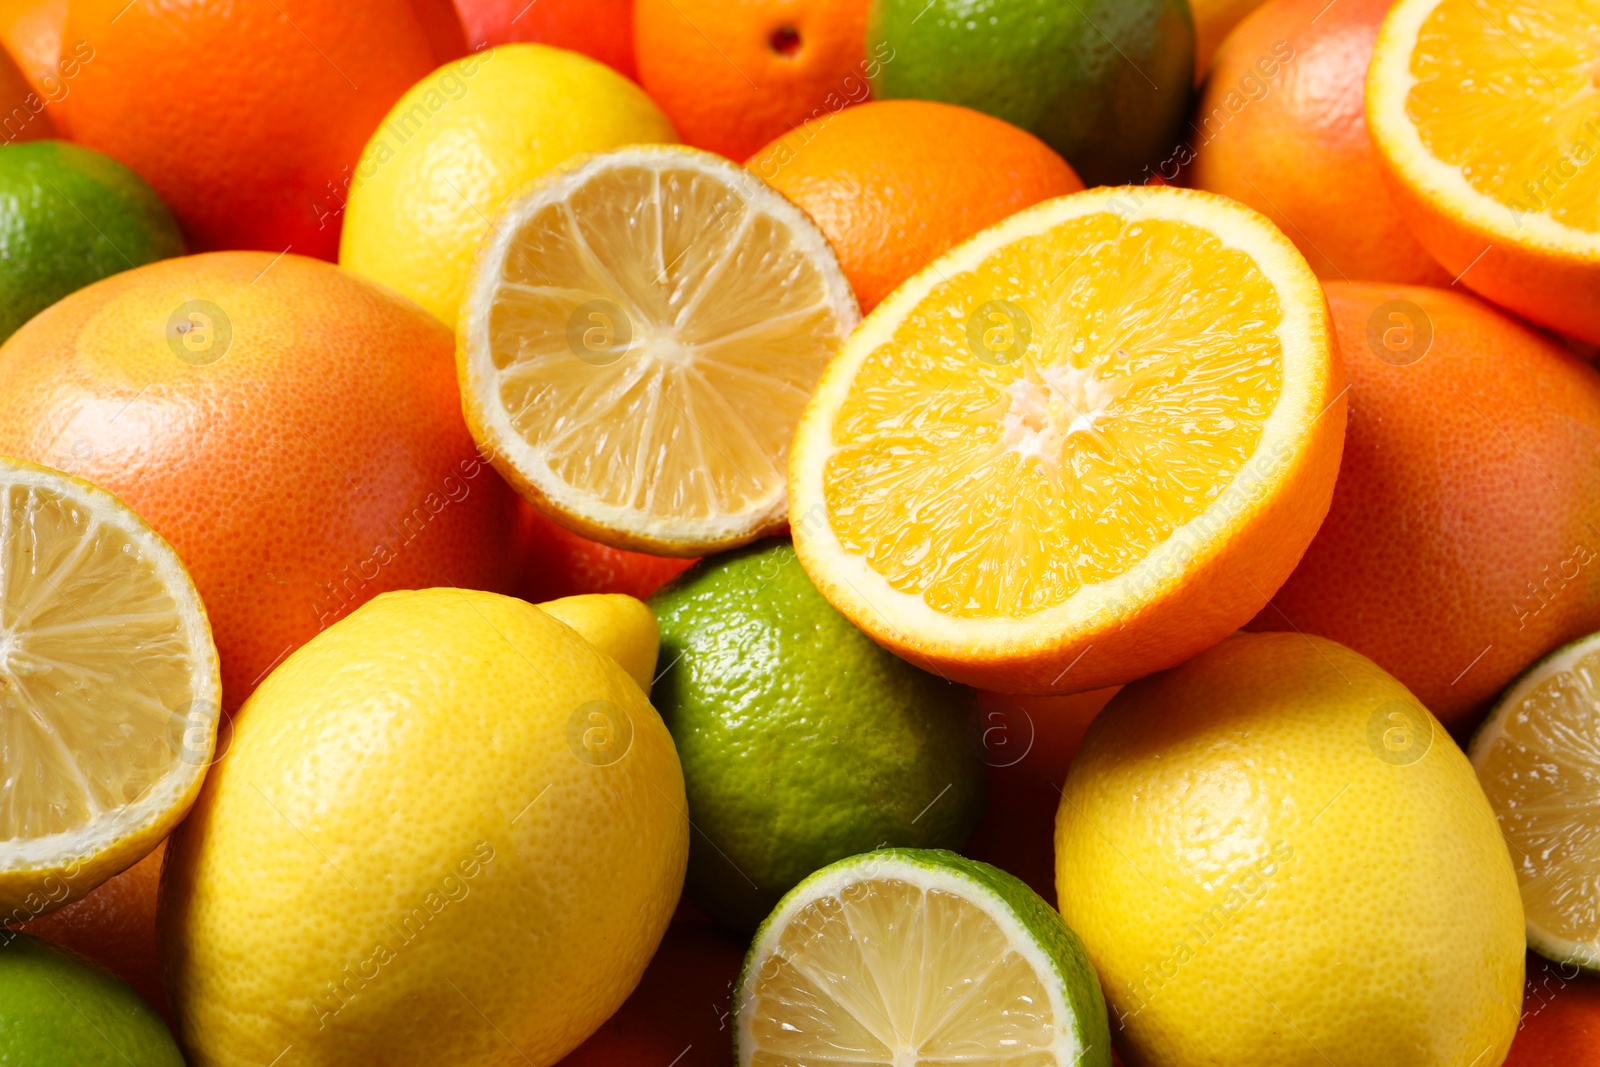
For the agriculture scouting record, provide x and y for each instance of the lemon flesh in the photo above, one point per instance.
(906, 957)
(108, 688)
(1504, 92)
(1538, 757)
(639, 339)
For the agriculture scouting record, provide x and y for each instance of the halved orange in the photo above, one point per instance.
(1084, 445)
(640, 333)
(1486, 118)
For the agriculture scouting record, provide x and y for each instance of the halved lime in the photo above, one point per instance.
(905, 957)
(1538, 757)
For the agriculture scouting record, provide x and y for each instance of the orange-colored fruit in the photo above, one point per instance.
(245, 117)
(1560, 1018)
(1282, 127)
(1486, 120)
(31, 31)
(895, 183)
(293, 430)
(1027, 745)
(680, 1013)
(1462, 543)
(600, 29)
(115, 925)
(562, 563)
(732, 76)
(22, 111)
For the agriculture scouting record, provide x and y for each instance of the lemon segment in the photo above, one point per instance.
(906, 957)
(639, 338)
(109, 688)
(1538, 758)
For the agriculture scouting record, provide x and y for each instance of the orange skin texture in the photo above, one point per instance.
(1300, 153)
(1560, 1018)
(323, 459)
(682, 1007)
(895, 183)
(562, 563)
(115, 926)
(713, 67)
(31, 31)
(239, 117)
(1467, 475)
(600, 29)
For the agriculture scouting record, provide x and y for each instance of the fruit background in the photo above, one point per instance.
(788, 532)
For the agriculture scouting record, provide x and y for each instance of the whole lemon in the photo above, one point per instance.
(462, 140)
(448, 830)
(1276, 857)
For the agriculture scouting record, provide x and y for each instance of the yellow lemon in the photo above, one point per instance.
(110, 691)
(1276, 857)
(618, 625)
(462, 140)
(448, 830)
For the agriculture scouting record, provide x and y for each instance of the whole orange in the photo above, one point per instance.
(1282, 127)
(245, 117)
(561, 563)
(115, 925)
(1560, 1017)
(1464, 539)
(894, 183)
(600, 29)
(734, 74)
(293, 430)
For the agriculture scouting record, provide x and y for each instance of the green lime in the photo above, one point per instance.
(68, 217)
(1104, 82)
(801, 740)
(57, 1010)
(918, 956)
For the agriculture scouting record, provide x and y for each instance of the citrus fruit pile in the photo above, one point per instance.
(879, 533)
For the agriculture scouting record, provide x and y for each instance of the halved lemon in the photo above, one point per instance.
(1486, 117)
(1081, 447)
(639, 336)
(1538, 757)
(917, 958)
(109, 689)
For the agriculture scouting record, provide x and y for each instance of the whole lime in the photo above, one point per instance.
(1105, 83)
(57, 1010)
(70, 216)
(801, 740)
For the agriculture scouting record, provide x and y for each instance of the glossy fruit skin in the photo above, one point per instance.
(24, 114)
(1105, 83)
(244, 117)
(1461, 544)
(114, 925)
(561, 563)
(1213, 21)
(895, 183)
(600, 29)
(1560, 1017)
(1243, 839)
(719, 71)
(1282, 126)
(319, 459)
(439, 166)
(68, 217)
(440, 838)
(48, 995)
(802, 741)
